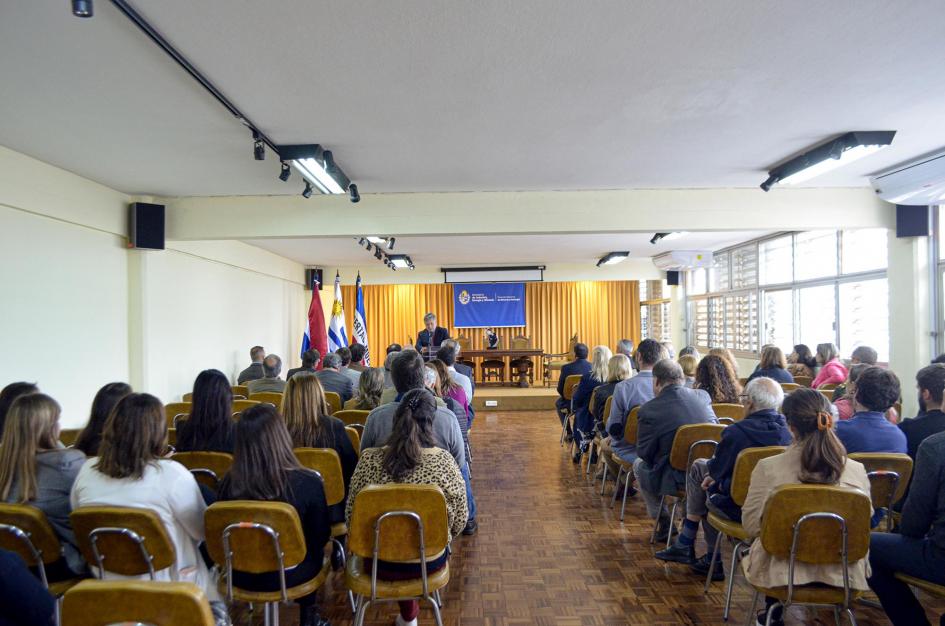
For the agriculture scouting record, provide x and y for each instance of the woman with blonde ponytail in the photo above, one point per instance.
(815, 457)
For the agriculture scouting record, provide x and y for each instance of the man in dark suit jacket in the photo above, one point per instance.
(579, 366)
(332, 379)
(931, 420)
(675, 405)
(310, 359)
(432, 337)
(255, 371)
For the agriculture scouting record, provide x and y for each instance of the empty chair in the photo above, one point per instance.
(728, 411)
(889, 476)
(271, 397)
(803, 381)
(493, 368)
(522, 342)
(100, 603)
(351, 417)
(208, 468)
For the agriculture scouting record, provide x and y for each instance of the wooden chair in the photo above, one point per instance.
(241, 405)
(272, 397)
(100, 603)
(258, 537)
(123, 540)
(522, 342)
(691, 442)
(334, 401)
(827, 393)
(173, 409)
(625, 468)
(25, 531)
(731, 413)
(803, 381)
(355, 438)
(240, 390)
(397, 523)
(828, 387)
(818, 525)
(68, 436)
(889, 476)
(596, 441)
(554, 362)
(741, 479)
(570, 384)
(188, 397)
(351, 417)
(789, 387)
(208, 468)
(493, 367)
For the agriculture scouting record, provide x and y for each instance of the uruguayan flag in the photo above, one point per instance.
(337, 337)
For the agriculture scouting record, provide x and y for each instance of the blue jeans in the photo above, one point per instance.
(891, 553)
(470, 500)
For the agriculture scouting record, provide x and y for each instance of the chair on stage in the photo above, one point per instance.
(522, 342)
(464, 343)
(493, 367)
(554, 362)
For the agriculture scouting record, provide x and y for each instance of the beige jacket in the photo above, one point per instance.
(764, 570)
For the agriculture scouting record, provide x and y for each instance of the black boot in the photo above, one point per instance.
(308, 616)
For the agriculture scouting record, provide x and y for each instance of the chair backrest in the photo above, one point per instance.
(351, 416)
(327, 463)
(573, 342)
(173, 409)
(188, 397)
(632, 425)
(744, 465)
(25, 530)
(68, 436)
(355, 438)
(803, 381)
(683, 453)
(246, 525)
(272, 397)
(103, 602)
(608, 403)
(818, 541)
(827, 393)
(208, 468)
(521, 342)
(241, 405)
(789, 387)
(570, 384)
(734, 412)
(240, 390)
(889, 475)
(464, 342)
(123, 540)
(399, 535)
(828, 387)
(334, 401)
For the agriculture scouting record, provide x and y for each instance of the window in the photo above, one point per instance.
(745, 267)
(863, 250)
(718, 277)
(779, 318)
(776, 258)
(815, 254)
(655, 310)
(698, 282)
(699, 321)
(816, 312)
(864, 316)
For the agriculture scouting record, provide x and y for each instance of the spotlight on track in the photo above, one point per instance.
(259, 150)
(284, 174)
(82, 8)
(353, 193)
(377, 253)
(390, 243)
(307, 192)
(362, 241)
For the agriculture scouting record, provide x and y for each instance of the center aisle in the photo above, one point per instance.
(551, 552)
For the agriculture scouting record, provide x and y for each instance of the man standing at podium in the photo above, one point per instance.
(430, 338)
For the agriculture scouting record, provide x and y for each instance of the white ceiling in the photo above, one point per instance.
(478, 250)
(444, 95)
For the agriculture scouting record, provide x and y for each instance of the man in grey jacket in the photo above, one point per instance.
(332, 379)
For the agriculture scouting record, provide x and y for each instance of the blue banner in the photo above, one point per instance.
(483, 305)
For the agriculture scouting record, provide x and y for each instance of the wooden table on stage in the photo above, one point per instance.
(500, 353)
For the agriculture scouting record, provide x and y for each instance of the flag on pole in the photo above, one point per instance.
(360, 326)
(314, 336)
(337, 337)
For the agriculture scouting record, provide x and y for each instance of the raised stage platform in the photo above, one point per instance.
(514, 398)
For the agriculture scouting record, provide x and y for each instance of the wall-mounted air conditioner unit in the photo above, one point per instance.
(919, 182)
(683, 260)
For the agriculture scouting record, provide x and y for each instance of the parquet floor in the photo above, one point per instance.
(551, 552)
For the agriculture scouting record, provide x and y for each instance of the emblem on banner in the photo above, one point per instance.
(464, 297)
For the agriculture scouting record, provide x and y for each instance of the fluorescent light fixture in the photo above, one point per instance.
(400, 260)
(657, 237)
(828, 156)
(375, 239)
(314, 171)
(317, 166)
(612, 258)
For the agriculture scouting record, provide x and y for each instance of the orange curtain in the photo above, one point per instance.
(599, 312)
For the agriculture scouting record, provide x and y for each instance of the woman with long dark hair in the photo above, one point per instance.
(10, 393)
(264, 468)
(801, 361)
(105, 400)
(815, 457)
(411, 457)
(210, 426)
(714, 375)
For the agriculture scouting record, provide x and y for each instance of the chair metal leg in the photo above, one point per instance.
(626, 488)
(58, 611)
(656, 522)
(770, 613)
(267, 615)
(436, 611)
(672, 521)
(439, 599)
(275, 614)
(836, 615)
(603, 478)
(849, 613)
(590, 455)
(354, 606)
(362, 609)
(736, 557)
(564, 429)
(708, 576)
(751, 621)
(613, 499)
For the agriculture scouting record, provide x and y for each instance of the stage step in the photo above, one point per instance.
(513, 399)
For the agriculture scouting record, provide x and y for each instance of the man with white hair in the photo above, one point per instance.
(625, 347)
(709, 483)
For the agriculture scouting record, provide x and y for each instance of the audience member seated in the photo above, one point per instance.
(105, 400)
(465, 370)
(580, 402)
(628, 394)
(24, 600)
(862, 355)
(690, 351)
(669, 350)
(832, 371)
(625, 347)
(357, 357)
(715, 376)
(370, 388)
(255, 370)
(801, 362)
(919, 548)
(310, 424)
(930, 381)
(578, 367)
(353, 375)
(868, 430)
(773, 365)
(130, 472)
(816, 457)
(709, 483)
(844, 402)
(310, 361)
(689, 365)
(618, 369)
(726, 355)
(939, 359)
(447, 354)
(433, 381)
(35, 470)
(264, 468)
(332, 379)
(10, 393)
(210, 426)
(412, 455)
(450, 391)
(388, 361)
(673, 406)
(272, 366)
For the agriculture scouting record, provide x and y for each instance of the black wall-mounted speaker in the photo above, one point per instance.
(672, 278)
(912, 221)
(311, 275)
(146, 226)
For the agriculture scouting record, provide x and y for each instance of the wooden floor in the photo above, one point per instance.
(550, 551)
